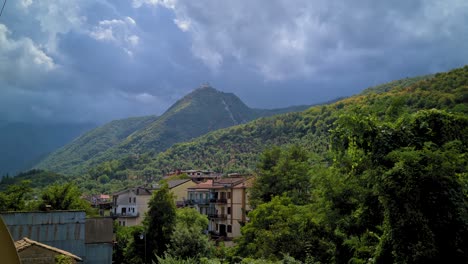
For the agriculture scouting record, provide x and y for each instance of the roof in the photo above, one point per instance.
(25, 243)
(175, 183)
(203, 185)
(229, 182)
(172, 183)
(139, 190)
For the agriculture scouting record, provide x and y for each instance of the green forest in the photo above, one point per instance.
(238, 148)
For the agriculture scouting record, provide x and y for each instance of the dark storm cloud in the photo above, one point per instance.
(99, 60)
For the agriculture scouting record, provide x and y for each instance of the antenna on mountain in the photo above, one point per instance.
(205, 85)
(1, 11)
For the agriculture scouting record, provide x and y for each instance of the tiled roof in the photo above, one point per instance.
(25, 243)
(203, 185)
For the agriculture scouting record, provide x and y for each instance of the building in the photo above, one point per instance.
(195, 175)
(90, 239)
(225, 202)
(33, 252)
(130, 205)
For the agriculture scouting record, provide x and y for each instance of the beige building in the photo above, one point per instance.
(129, 206)
(225, 202)
(33, 252)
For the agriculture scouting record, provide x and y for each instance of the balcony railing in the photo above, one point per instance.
(197, 202)
(219, 201)
(217, 216)
(126, 215)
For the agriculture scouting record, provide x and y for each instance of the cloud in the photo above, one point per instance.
(22, 59)
(282, 39)
(97, 60)
(117, 31)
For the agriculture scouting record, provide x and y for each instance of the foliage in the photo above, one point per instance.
(282, 172)
(91, 144)
(15, 196)
(410, 170)
(64, 197)
(238, 148)
(279, 228)
(198, 113)
(62, 259)
(160, 222)
(130, 247)
(38, 179)
(188, 240)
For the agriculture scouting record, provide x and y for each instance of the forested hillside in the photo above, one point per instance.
(202, 111)
(93, 143)
(237, 148)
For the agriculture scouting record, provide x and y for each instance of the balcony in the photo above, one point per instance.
(197, 202)
(218, 216)
(124, 215)
(219, 201)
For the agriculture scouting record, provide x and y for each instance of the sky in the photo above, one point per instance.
(99, 60)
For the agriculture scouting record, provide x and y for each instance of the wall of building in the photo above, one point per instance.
(99, 253)
(180, 191)
(98, 240)
(90, 239)
(60, 229)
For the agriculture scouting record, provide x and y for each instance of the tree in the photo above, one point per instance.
(188, 240)
(282, 171)
(64, 197)
(14, 198)
(280, 228)
(160, 222)
(416, 167)
(426, 213)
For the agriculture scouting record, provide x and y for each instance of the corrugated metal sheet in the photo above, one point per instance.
(61, 229)
(99, 253)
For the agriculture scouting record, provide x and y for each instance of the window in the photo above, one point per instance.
(229, 210)
(229, 195)
(129, 199)
(229, 229)
(134, 199)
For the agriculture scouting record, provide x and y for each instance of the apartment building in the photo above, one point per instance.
(129, 206)
(224, 201)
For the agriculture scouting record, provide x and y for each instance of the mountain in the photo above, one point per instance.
(24, 144)
(94, 143)
(203, 110)
(237, 148)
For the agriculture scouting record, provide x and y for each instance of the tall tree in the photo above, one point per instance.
(282, 172)
(160, 222)
(188, 240)
(64, 197)
(13, 199)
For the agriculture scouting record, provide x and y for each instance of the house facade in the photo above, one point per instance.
(225, 202)
(129, 206)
